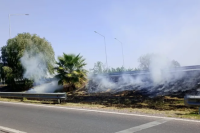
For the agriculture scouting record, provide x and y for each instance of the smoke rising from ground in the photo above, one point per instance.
(46, 87)
(161, 79)
(35, 67)
(159, 68)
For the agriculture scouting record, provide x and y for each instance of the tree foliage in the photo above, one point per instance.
(175, 63)
(146, 60)
(99, 68)
(70, 71)
(12, 69)
(119, 69)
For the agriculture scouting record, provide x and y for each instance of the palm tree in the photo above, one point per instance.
(70, 71)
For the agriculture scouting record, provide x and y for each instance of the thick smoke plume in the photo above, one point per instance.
(35, 67)
(161, 79)
(46, 87)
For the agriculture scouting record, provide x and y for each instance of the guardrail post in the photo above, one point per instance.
(22, 99)
(199, 110)
(59, 101)
(65, 96)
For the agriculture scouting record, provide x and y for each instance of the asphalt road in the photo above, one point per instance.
(43, 119)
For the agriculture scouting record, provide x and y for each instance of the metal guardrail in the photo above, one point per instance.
(190, 100)
(51, 96)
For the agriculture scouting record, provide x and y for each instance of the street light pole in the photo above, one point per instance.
(9, 25)
(122, 50)
(9, 21)
(105, 47)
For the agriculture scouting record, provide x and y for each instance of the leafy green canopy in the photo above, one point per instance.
(70, 71)
(11, 53)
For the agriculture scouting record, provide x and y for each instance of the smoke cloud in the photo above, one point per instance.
(35, 67)
(46, 87)
(161, 79)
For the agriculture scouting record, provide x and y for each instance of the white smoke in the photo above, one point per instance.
(46, 87)
(35, 67)
(160, 67)
(161, 78)
(102, 83)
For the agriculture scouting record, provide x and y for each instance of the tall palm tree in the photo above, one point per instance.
(70, 71)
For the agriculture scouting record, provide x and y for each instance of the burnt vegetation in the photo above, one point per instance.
(188, 82)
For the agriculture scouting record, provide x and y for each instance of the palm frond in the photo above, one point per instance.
(70, 70)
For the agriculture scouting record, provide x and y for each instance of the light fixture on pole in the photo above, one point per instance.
(9, 21)
(105, 47)
(122, 50)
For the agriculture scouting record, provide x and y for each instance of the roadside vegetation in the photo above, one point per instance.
(11, 68)
(69, 68)
(71, 73)
(100, 68)
(167, 107)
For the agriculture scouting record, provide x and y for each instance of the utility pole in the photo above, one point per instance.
(105, 47)
(9, 21)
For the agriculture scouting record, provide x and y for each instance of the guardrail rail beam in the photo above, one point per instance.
(52, 96)
(190, 100)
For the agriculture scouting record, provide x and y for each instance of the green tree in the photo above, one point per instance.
(14, 50)
(70, 71)
(119, 69)
(8, 75)
(175, 63)
(146, 60)
(99, 68)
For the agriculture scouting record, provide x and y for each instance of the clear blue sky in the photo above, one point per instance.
(168, 27)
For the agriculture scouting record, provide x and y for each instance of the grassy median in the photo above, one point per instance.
(166, 106)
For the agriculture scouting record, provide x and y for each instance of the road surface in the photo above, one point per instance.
(32, 118)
